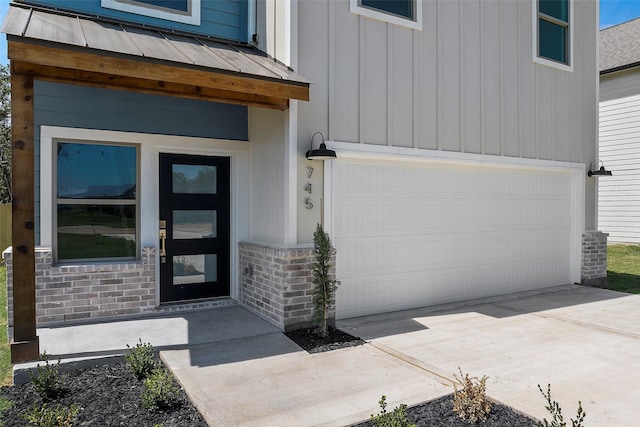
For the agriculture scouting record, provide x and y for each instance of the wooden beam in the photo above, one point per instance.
(155, 87)
(24, 345)
(139, 69)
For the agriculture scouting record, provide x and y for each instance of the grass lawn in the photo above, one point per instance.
(623, 268)
(5, 351)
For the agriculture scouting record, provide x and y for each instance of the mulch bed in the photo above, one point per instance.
(439, 413)
(107, 396)
(310, 341)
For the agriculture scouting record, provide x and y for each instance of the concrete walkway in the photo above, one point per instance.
(239, 370)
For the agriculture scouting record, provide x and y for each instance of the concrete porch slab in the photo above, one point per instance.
(84, 344)
(268, 380)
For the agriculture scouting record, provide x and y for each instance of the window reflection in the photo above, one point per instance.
(92, 171)
(196, 224)
(96, 231)
(194, 179)
(189, 269)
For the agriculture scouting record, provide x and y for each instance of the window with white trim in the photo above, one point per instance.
(184, 11)
(96, 209)
(553, 31)
(406, 13)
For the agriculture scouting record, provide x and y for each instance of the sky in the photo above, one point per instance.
(612, 12)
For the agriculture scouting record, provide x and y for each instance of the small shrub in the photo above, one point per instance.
(324, 285)
(141, 359)
(397, 418)
(159, 391)
(45, 416)
(556, 412)
(47, 380)
(470, 402)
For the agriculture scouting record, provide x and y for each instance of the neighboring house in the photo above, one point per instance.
(170, 159)
(619, 142)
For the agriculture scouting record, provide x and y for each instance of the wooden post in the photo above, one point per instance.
(24, 345)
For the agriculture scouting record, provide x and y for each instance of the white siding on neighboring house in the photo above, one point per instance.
(619, 147)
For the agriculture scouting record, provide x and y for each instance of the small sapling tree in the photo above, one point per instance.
(325, 285)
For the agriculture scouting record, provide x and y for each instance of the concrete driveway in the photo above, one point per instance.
(585, 342)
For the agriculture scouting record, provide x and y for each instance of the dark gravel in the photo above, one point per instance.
(310, 341)
(107, 396)
(439, 413)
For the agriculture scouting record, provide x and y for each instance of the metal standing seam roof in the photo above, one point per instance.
(620, 46)
(114, 37)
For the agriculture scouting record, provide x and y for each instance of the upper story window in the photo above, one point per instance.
(96, 202)
(406, 13)
(185, 11)
(554, 32)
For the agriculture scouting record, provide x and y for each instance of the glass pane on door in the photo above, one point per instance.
(189, 269)
(194, 224)
(194, 179)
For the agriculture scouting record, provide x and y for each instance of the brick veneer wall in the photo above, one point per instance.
(594, 258)
(276, 283)
(88, 291)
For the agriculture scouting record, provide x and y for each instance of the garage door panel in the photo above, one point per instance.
(410, 234)
(412, 215)
(410, 289)
(382, 255)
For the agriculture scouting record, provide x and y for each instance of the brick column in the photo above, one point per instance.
(594, 258)
(275, 283)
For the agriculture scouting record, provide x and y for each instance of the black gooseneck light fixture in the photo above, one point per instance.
(322, 152)
(600, 172)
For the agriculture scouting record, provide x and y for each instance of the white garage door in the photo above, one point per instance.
(411, 234)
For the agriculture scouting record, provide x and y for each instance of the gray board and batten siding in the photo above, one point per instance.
(221, 19)
(466, 83)
(95, 108)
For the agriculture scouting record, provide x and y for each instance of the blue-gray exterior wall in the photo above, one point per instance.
(95, 108)
(226, 19)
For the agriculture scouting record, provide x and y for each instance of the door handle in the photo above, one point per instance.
(163, 242)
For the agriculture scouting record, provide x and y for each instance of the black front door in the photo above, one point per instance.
(194, 227)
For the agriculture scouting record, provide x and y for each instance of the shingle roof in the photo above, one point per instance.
(620, 46)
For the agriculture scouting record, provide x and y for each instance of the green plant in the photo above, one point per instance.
(325, 285)
(556, 412)
(397, 418)
(47, 380)
(159, 391)
(470, 402)
(6, 370)
(5, 405)
(45, 416)
(141, 359)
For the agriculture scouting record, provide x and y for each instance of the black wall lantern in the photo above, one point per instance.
(600, 172)
(322, 152)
